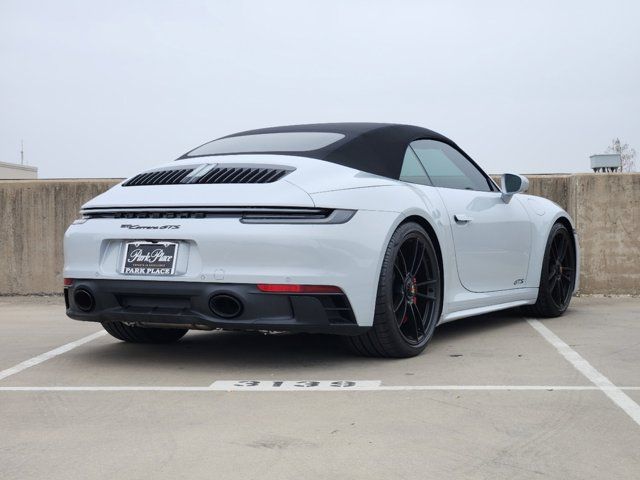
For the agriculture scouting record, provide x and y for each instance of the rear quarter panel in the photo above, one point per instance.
(407, 202)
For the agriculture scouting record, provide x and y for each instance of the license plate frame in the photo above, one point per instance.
(150, 259)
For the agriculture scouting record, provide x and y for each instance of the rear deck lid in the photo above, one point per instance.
(180, 184)
(235, 180)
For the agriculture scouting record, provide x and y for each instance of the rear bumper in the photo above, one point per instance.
(224, 251)
(154, 303)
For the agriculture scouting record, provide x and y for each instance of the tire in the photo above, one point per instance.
(409, 297)
(558, 275)
(133, 334)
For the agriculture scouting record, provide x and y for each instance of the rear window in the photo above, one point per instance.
(268, 142)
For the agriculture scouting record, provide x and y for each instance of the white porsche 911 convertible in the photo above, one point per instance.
(377, 232)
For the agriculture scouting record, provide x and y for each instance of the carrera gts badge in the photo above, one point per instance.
(150, 227)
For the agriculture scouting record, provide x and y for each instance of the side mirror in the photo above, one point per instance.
(510, 184)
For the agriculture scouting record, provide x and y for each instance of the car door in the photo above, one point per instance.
(492, 239)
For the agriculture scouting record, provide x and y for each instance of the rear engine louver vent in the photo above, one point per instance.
(242, 175)
(227, 174)
(159, 177)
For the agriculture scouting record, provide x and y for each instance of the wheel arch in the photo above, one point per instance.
(543, 231)
(566, 221)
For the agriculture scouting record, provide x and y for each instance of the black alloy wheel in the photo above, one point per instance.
(561, 269)
(558, 275)
(414, 289)
(409, 298)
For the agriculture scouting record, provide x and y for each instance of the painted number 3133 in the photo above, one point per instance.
(297, 384)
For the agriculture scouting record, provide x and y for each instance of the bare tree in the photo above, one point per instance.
(627, 154)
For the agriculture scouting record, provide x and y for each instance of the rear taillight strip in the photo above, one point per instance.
(249, 215)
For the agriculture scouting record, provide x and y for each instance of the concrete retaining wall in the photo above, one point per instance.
(606, 208)
(33, 218)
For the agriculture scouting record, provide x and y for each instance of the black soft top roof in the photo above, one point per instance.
(377, 148)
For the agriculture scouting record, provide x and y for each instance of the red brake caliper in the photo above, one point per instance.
(413, 298)
(414, 289)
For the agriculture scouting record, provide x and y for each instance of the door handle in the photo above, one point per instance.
(462, 218)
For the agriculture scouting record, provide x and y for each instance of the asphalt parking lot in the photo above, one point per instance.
(493, 397)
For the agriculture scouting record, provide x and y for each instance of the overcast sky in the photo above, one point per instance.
(108, 88)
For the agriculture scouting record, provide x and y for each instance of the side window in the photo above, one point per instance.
(412, 170)
(448, 168)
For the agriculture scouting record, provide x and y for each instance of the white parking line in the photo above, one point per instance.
(226, 387)
(49, 355)
(616, 394)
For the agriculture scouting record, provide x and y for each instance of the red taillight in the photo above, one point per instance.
(287, 288)
(68, 282)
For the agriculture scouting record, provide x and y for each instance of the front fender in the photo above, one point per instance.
(544, 213)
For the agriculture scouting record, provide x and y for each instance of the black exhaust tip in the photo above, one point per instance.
(225, 306)
(83, 299)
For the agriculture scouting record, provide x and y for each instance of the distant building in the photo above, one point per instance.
(13, 171)
(608, 162)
